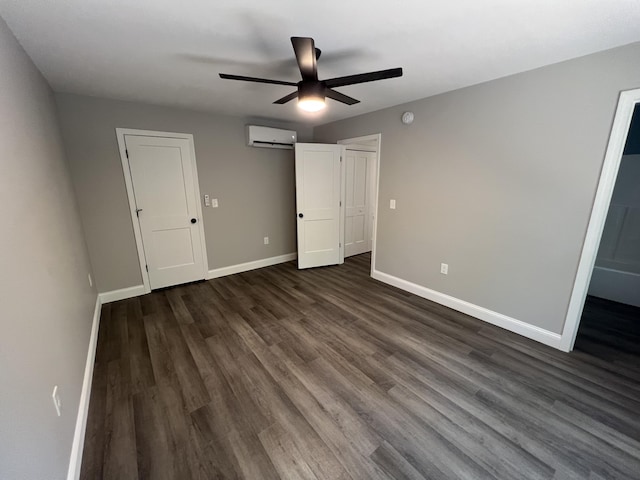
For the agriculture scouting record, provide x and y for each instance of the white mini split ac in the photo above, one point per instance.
(270, 137)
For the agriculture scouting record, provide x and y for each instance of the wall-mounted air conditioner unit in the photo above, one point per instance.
(270, 137)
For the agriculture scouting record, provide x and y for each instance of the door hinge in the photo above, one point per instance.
(126, 152)
(339, 245)
(340, 157)
(340, 202)
(147, 267)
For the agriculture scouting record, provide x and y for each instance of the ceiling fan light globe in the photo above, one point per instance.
(311, 104)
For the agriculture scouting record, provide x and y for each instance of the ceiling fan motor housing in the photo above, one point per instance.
(311, 89)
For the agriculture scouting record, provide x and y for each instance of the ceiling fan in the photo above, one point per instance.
(311, 92)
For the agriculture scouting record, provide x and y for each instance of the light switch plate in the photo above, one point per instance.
(392, 204)
(214, 202)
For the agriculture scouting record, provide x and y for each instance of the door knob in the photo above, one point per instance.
(300, 215)
(193, 220)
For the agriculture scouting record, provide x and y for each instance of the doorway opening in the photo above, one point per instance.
(610, 317)
(336, 200)
(610, 261)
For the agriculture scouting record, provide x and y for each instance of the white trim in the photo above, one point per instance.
(83, 408)
(367, 138)
(245, 267)
(120, 134)
(122, 294)
(513, 325)
(612, 158)
(343, 200)
(355, 147)
(361, 140)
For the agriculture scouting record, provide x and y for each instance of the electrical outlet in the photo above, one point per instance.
(56, 400)
(207, 201)
(266, 240)
(392, 204)
(90, 280)
(444, 268)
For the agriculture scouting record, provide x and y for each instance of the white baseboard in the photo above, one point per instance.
(122, 294)
(136, 291)
(83, 409)
(615, 285)
(245, 267)
(513, 325)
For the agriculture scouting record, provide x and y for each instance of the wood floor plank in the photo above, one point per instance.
(395, 464)
(346, 435)
(119, 442)
(193, 390)
(178, 307)
(484, 434)
(309, 443)
(492, 457)
(139, 357)
(429, 378)
(251, 403)
(327, 374)
(408, 434)
(253, 462)
(285, 455)
(161, 434)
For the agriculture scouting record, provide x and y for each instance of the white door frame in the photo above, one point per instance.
(377, 137)
(120, 134)
(612, 158)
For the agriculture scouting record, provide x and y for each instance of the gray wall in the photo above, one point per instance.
(47, 304)
(498, 181)
(255, 186)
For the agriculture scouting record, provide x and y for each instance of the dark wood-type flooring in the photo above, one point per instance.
(328, 374)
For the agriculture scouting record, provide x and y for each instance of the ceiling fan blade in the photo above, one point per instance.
(363, 77)
(257, 80)
(306, 56)
(340, 97)
(286, 99)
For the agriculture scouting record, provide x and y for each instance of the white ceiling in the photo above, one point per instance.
(170, 52)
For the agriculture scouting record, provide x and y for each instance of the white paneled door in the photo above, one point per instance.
(318, 204)
(358, 213)
(164, 186)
